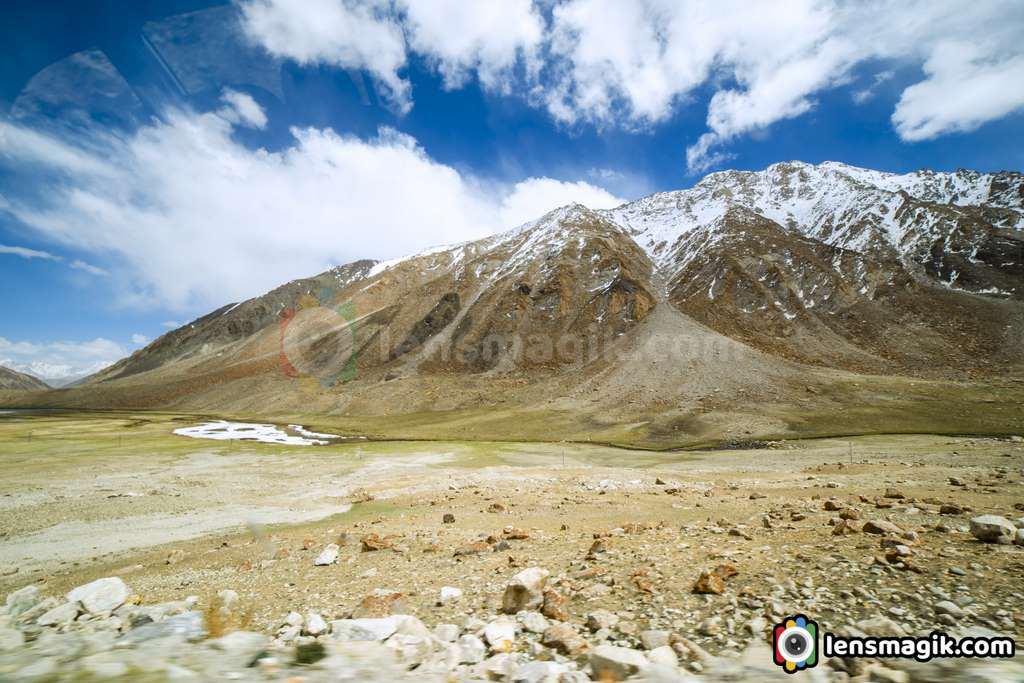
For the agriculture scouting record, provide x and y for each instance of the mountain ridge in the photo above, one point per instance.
(808, 276)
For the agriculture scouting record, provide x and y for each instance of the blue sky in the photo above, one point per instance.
(160, 159)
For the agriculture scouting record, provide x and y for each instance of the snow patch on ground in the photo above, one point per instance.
(223, 430)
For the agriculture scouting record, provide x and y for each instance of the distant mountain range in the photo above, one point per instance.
(676, 316)
(12, 380)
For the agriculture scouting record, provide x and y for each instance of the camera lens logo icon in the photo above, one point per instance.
(318, 341)
(795, 643)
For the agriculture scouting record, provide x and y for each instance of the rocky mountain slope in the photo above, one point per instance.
(748, 287)
(12, 380)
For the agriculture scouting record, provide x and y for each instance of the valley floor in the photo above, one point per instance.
(88, 496)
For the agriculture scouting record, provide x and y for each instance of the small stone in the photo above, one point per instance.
(471, 650)
(663, 656)
(709, 582)
(950, 608)
(563, 638)
(534, 622)
(446, 633)
(993, 529)
(329, 555)
(880, 526)
(174, 557)
(556, 606)
(315, 624)
(653, 639)
(525, 591)
(379, 604)
(846, 527)
(474, 548)
(22, 600)
(612, 663)
(60, 615)
(448, 518)
(102, 595)
(602, 619)
(448, 595)
(373, 542)
(500, 634)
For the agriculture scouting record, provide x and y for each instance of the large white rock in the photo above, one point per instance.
(102, 595)
(611, 663)
(993, 529)
(525, 590)
(61, 614)
(328, 555)
(500, 634)
(378, 629)
(471, 649)
(1019, 539)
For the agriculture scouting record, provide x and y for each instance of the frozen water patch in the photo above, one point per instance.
(223, 430)
(299, 429)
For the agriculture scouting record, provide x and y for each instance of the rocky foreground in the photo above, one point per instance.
(99, 631)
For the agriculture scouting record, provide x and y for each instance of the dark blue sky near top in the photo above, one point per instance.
(491, 136)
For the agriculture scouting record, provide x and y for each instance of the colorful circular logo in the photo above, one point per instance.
(318, 341)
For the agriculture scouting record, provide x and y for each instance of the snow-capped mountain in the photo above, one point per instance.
(825, 266)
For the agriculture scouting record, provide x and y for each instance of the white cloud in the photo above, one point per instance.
(487, 37)
(863, 95)
(534, 197)
(139, 339)
(26, 253)
(963, 90)
(633, 64)
(344, 33)
(194, 219)
(170, 324)
(60, 360)
(242, 109)
(79, 264)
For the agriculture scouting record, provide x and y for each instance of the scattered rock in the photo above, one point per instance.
(563, 638)
(709, 583)
(329, 555)
(500, 634)
(556, 606)
(880, 526)
(525, 590)
(449, 594)
(102, 595)
(373, 542)
(612, 663)
(993, 529)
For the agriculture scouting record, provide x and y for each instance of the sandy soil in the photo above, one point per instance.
(252, 518)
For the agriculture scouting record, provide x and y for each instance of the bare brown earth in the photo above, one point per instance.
(67, 518)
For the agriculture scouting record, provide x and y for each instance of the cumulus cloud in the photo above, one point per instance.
(344, 33)
(533, 197)
(486, 37)
(60, 361)
(139, 339)
(194, 219)
(632, 64)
